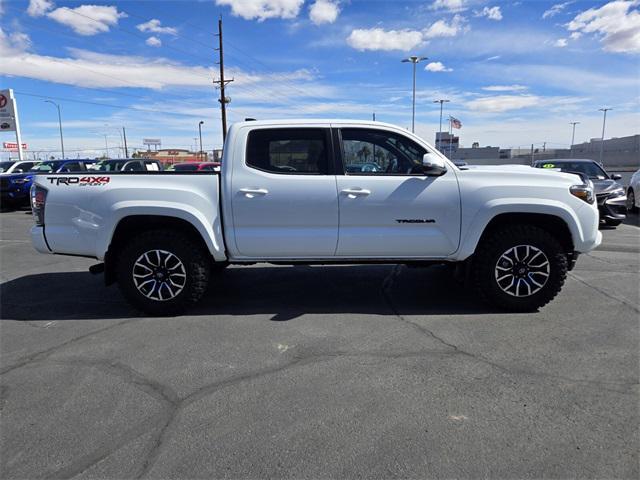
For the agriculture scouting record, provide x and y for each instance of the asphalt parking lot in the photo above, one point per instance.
(317, 372)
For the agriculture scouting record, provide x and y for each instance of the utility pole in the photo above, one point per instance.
(604, 121)
(59, 125)
(200, 133)
(222, 83)
(438, 137)
(573, 137)
(414, 60)
(532, 154)
(374, 116)
(124, 136)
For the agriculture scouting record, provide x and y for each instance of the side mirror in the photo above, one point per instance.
(616, 176)
(433, 165)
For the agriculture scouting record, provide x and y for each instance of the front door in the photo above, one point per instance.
(284, 196)
(388, 207)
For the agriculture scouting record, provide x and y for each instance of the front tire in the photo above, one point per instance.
(162, 273)
(519, 268)
(631, 201)
(612, 222)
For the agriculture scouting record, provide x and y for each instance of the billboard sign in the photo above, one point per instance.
(151, 141)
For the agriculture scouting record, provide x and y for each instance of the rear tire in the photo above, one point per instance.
(162, 272)
(519, 268)
(612, 222)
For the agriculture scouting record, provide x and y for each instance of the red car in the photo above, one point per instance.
(195, 167)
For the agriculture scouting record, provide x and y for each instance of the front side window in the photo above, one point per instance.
(288, 150)
(378, 152)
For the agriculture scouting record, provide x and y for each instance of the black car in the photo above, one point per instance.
(606, 186)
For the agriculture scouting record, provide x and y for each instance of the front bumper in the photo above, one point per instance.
(612, 208)
(38, 239)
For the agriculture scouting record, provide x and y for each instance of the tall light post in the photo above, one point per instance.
(200, 133)
(604, 121)
(439, 136)
(573, 137)
(59, 125)
(414, 60)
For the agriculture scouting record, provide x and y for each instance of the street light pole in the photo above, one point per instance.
(439, 136)
(59, 125)
(573, 137)
(200, 133)
(604, 121)
(414, 60)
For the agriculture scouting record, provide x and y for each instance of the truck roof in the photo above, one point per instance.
(316, 121)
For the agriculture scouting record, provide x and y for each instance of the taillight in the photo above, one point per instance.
(38, 199)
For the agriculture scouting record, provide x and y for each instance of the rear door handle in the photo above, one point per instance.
(356, 192)
(252, 192)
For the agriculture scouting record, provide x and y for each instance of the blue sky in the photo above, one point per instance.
(516, 73)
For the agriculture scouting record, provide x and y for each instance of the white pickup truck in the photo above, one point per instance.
(320, 191)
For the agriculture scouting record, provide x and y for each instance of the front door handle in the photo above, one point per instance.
(252, 192)
(355, 192)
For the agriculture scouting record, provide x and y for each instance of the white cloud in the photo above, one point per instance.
(575, 35)
(324, 11)
(263, 9)
(505, 88)
(154, 26)
(87, 19)
(154, 42)
(37, 8)
(502, 103)
(555, 9)
(560, 43)
(492, 13)
(379, 39)
(615, 23)
(449, 5)
(437, 67)
(443, 29)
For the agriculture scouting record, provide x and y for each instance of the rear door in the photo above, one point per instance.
(283, 195)
(388, 207)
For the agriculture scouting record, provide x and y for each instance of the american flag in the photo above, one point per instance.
(455, 123)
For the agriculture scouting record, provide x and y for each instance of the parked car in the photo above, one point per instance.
(127, 165)
(609, 192)
(633, 193)
(195, 167)
(286, 196)
(14, 187)
(15, 166)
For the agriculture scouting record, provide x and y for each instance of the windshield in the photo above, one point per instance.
(108, 166)
(592, 170)
(185, 167)
(4, 166)
(50, 166)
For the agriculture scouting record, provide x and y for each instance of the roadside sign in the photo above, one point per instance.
(13, 147)
(7, 112)
(151, 141)
(9, 120)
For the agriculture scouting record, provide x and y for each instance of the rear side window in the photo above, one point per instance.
(288, 150)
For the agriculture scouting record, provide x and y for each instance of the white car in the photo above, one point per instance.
(15, 166)
(633, 192)
(289, 193)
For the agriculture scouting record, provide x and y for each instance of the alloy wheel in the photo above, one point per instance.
(522, 270)
(159, 275)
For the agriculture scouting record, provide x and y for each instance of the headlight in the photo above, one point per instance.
(618, 192)
(583, 192)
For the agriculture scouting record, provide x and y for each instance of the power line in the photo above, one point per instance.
(138, 109)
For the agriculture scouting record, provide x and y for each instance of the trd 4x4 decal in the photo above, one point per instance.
(80, 181)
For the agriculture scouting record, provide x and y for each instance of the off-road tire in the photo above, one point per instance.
(499, 241)
(196, 262)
